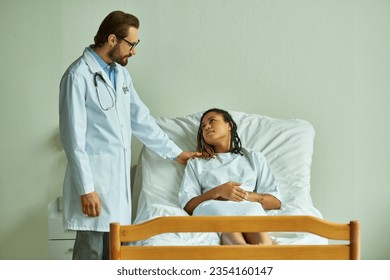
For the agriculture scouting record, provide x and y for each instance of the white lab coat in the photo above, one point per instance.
(97, 143)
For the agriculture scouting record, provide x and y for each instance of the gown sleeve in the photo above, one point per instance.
(266, 182)
(190, 186)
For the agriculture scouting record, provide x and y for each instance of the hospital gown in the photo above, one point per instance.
(250, 169)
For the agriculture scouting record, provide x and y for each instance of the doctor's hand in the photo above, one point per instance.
(90, 204)
(185, 156)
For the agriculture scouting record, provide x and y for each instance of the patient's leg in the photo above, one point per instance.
(233, 238)
(238, 238)
(261, 238)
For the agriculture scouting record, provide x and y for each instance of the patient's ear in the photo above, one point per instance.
(230, 125)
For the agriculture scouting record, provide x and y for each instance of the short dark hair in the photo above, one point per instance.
(117, 23)
(235, 142)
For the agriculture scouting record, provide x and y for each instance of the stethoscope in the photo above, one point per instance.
(110, 92)
(113, 97)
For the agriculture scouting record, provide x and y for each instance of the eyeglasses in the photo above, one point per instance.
(132, 45)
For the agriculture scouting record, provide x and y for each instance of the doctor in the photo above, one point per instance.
(99, 110)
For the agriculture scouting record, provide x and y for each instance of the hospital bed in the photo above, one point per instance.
(163, 230)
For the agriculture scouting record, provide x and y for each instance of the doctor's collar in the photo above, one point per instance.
(106, 67)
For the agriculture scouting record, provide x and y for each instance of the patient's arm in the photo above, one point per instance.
(227, 191)
(268, 201)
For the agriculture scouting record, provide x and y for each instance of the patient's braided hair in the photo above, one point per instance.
(235, 142)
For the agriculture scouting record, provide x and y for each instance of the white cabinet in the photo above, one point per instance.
(61, 240)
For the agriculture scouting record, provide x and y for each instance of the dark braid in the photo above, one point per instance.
(235, 142)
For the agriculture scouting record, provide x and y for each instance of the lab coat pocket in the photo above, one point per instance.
(101, 170)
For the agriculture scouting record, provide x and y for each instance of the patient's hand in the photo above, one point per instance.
(231, 191)
(185, 156)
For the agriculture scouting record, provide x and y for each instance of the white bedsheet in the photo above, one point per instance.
(287, 145)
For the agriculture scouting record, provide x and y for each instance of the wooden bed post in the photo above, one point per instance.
(115, 242)
(355, 240)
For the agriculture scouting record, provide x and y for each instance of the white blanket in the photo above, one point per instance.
(287, 145)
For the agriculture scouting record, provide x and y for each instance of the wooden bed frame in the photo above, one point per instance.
(348, 232)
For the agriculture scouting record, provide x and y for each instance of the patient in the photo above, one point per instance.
(229, 180)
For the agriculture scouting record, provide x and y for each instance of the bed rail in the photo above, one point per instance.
(349, 232)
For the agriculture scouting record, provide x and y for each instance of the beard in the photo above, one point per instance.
(114, 54)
